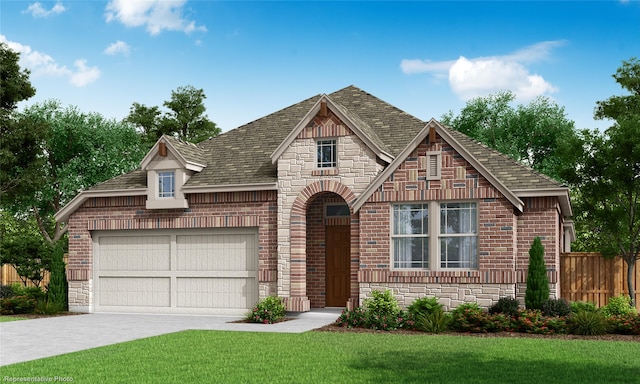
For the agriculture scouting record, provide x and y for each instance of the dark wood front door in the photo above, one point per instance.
(338, 265)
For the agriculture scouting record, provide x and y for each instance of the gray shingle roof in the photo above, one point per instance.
(242, 155)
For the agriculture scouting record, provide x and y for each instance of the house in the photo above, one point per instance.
(319, 203)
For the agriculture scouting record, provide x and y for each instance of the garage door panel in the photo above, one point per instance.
(216, 292)
(129, 253)
(225, 252)
(135, 291)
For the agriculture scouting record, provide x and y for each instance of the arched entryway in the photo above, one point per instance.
(324, 251)
(328, 251)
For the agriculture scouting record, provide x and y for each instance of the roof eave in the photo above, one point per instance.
(561, 193)
(63, 214)
(231, 188)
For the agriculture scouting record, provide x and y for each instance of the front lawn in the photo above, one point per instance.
(324, 357)
(4, 319)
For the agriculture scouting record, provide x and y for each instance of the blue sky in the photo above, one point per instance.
(253, 58)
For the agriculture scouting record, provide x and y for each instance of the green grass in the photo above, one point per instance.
(313, 357)
(4, 319)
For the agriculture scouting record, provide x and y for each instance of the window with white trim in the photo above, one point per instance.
(326, 153)
(453, 235)
(411, 236)
(458, 235)
(166, 184)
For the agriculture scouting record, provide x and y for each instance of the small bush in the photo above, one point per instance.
(424, 306)
(533, 321)
(469, 317)
(268, 311)
(618, 305)
(436, 321)
(7, 291)
(506, 305)
(17, 305)
(628, 324)
(35, 293)
(556, 307)
(588, 323)
(355, 318)
(49, 307)
(588, 306)
(383, 311)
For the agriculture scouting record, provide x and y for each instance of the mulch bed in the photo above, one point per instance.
(608, 337)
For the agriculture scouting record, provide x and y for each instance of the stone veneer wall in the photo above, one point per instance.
(213, 210)
(299, 181)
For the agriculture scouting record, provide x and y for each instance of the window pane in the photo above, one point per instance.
(411, 219)
(166, 184)
(337, 210)
(411, 252)
(459, 252)
(458, 218)
(326, 154)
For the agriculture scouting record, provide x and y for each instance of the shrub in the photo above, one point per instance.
(533, 321)
(49, 307)
(435, 321)
(268, 311)
(355, 318)
(588, 306)
(628, 324)
(589, 323)
(424, 306)
(383, 311)
(618, 305)
(387, 322)
(57, 289)
(506, 305)
(35, 293)
(17, 305)
(468, 317)
(7, 291)
(537, 281)
(556, 307)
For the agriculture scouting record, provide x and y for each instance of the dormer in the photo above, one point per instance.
(169, 165)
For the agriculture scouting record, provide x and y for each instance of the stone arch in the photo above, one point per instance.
(298, 237)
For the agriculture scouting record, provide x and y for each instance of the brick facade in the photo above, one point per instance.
(213, 210)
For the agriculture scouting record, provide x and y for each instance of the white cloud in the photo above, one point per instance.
(37, 10)
(156, 15)
(117, 47)
(84, 75)
(469, 78)
(42, 65)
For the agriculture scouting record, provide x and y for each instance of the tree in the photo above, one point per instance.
(79, 151)
(57, 290)
(605, 168)
(30, 256)
(527, 133)
(537, 281)
(19, 161)
(185, 118)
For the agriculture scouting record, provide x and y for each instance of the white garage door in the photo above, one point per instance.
(176, 271)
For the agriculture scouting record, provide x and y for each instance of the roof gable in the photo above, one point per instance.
(188, 155)
(350, 119)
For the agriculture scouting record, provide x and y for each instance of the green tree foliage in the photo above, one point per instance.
(537, 281)
(30, 256)
(19, 159)
(527, 133)
(184, 119)
(79, 150)
(604, 167)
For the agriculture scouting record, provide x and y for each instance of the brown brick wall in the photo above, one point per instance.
(234, 209)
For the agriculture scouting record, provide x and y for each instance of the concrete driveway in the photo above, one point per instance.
(38, 338)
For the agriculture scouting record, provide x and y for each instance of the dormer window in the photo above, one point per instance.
(166, 184)
(327, 154)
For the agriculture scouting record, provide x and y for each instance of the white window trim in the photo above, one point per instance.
(335, 146)
(166, 194)
(433, 235)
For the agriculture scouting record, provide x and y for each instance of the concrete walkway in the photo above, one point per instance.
(33, 339)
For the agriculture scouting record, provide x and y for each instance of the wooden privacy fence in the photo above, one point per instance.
(587, 276)
(8, 275)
